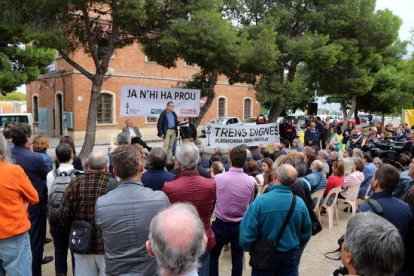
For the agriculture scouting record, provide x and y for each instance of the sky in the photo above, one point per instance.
(405, 10)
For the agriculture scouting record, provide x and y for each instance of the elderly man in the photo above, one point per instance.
(189, 186)
(235, 191)
(135, 134)
(323, 156)
(177, 240)
(167, 128)
(265, 217)
(278, 151)
(155, 177)
(122, 138)
(16, 191)
(316, 179)
(123, 216)
(78, 203)
(36, 168)
(372, 246)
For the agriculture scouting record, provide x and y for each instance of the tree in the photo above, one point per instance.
(20, 61)
(207, 39)
(98, 28)
(13, 96)
(362, 35)
(295, 27)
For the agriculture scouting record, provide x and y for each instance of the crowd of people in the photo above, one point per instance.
(143, 212)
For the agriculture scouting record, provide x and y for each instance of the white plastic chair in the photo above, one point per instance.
(353, 203)
(317, 208)
(333, 207)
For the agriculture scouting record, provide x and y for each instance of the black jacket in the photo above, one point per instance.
(162, 124)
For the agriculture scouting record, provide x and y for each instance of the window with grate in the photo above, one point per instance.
(151, 119)
(105, 110)
(222, 107)
(35, 108)
(247, 108)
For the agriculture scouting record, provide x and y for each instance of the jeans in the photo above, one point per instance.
(37, 235)
(285, 264)
(60, 237)
(16, 255)
(226, 232)
(204, 264)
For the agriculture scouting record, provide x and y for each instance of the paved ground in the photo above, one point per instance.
(313, 261)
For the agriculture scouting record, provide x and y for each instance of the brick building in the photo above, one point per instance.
(59, 100)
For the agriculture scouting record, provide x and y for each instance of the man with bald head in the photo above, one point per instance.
(176, 240)
(265, 218)
(78, 203)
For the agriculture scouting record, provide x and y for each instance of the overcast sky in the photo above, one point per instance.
(403, 9)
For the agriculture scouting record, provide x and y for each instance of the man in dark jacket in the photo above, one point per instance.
(312, 136)
(36, 169)
(167, 128)
(155, 177)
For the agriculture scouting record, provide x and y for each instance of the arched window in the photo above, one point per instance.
(247, 113)
(222, 107)
(105, 109)
(35, 108)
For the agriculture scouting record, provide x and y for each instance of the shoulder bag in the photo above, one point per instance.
(263, 251)
(80, 236)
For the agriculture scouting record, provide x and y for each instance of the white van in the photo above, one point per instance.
(16, 118)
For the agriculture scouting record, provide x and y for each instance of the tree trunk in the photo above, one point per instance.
(89, 142)
(212, 81)
(349, 115)
(357, 120)
(343, 108)
(275, 112)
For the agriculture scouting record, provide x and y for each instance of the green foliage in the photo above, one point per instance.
(20, 61)
(13, 96)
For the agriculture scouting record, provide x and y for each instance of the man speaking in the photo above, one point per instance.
(167, 128)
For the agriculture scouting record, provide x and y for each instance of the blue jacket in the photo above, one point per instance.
(155, 179)
(317, 181)
(35, 166)
(405, 183)
(396, 211)
(266, 214)
(162, 124)
(369, 172)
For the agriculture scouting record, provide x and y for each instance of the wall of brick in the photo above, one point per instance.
(128, 67)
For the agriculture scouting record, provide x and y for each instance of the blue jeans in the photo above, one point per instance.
(204, 264)
(16, 255)
(285, 264)
(226, 232)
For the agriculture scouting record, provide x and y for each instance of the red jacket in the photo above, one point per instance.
(189, 187)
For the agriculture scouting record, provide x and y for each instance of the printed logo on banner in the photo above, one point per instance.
(188, 111)
(156, 111)
(131, 111)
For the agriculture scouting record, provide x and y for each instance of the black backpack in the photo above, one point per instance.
(62, 181)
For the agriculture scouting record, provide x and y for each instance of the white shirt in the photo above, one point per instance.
(50, 178)
(132, 133)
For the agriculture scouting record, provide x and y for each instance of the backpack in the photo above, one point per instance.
(62, 181)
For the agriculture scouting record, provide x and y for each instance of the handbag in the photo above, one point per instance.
(263, 251)
(80, 236)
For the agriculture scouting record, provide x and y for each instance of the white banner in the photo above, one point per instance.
(233, 135)
(151, 101)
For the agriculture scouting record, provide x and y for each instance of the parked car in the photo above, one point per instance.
(223, 121)
(16, 118)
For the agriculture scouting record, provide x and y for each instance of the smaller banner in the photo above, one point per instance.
(233, 135)
(151, 101)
